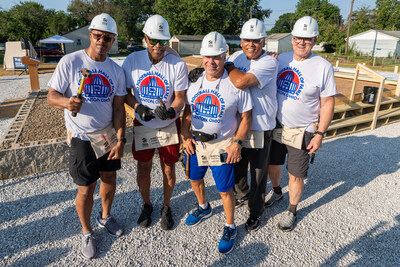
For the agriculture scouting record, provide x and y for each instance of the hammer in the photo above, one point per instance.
(85, 74)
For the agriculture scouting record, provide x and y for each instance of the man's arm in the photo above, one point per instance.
(188, 141)
(240, 79)
(234, 149)
(59, 101)
(119, 122)
(325, 118)
(179, 101)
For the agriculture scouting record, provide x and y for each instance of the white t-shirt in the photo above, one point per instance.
(265, 105)
(151, 81)
(300, 85)
(107, 80)
(215, 105)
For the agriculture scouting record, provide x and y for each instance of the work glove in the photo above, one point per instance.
(164, 113)
(194, 74)
(144, 113)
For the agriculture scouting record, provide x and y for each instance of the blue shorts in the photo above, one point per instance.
(224, 175)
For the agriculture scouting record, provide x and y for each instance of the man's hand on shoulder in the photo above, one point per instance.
(194, 74)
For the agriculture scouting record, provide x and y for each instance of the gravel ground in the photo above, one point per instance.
(349, 215)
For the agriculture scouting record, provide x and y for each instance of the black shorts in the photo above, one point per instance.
(297, 159)
(84, 167)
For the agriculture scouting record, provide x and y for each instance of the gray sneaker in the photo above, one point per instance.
(272, 197)
(110, 224)
(286, 221)
(88, 247)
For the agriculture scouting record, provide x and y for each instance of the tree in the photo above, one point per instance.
(204, 16)
(128, 14)
(387, 15)
(59, 22)
(284, 24)
(362, 20)
(27, 20)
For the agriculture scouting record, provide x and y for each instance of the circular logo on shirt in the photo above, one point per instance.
(97, 88)
(152, 85)
(290, 82)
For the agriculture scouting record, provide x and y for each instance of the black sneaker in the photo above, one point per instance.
(145, 217)
(240, 202)
(252, 224)
(166, 218)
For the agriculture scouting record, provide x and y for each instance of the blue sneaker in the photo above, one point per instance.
(226, 243)
(198, 215)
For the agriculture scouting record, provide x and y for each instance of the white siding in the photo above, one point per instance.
(385, 44)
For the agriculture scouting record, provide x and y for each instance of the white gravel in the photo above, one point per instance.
(349, 215)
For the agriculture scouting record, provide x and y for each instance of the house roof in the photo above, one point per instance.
(276, 36)
(395, 34)
(200, 37)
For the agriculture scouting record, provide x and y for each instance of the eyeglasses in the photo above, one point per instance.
(254, 41)
(298, 40)
(106, 38)
(155, 41)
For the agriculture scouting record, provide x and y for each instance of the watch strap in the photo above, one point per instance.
(121, 140)
(239, 142)
(323, 134)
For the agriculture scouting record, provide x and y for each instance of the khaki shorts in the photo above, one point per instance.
(297, 159)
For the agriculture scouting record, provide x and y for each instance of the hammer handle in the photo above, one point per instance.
(79, 95)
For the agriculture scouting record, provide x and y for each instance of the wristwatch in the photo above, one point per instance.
(228, 65)
(121, 140)
(239, 142)
(323, 134)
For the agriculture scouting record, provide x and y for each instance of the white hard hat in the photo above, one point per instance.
(156, 27)
(213, 44)
(105, 23)
(305, 27)
(253, 29)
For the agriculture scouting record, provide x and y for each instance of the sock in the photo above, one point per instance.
(232, 226)
(204, 206)
(278, 190)
(292, 208)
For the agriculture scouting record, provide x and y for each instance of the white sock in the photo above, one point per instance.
(204, 206)
(232, 226)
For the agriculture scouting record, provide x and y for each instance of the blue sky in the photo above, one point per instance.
(278, 7)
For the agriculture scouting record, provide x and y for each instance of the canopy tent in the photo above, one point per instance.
(56, 39)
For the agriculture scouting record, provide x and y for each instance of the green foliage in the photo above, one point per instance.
(284, 24)
(26, 19)
(388, 15)
(362, 20)
(203, 16)
(129, 14)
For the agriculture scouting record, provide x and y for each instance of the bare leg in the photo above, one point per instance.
(169, 179)
(296, 187)
(84, 204)
(228, 201)
(199, 190)
(143, 180)
(107, 191)
(274, 173)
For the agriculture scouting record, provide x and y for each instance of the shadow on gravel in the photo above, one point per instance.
(42, 258)
(379, 240)
(360, 161)
(249, 255)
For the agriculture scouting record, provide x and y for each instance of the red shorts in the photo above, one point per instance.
(168, 154)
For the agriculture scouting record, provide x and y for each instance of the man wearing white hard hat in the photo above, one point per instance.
(306, 90)
(95, 123)
(252, 68)
(156, 81)
(216, 121)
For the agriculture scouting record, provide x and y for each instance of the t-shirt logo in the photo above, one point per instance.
(208, 105)
(290, 82)
(98, 88)
(152, 85)
(207, 108)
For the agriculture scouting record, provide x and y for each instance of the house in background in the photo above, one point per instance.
(379, 43)
(81, 40)
(191, 44)
(278, 42)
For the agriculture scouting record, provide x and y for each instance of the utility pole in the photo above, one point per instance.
(348, 27)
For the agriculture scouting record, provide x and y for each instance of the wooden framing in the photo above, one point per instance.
(377, 77)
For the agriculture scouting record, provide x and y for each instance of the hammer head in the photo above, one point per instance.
(85, 73)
